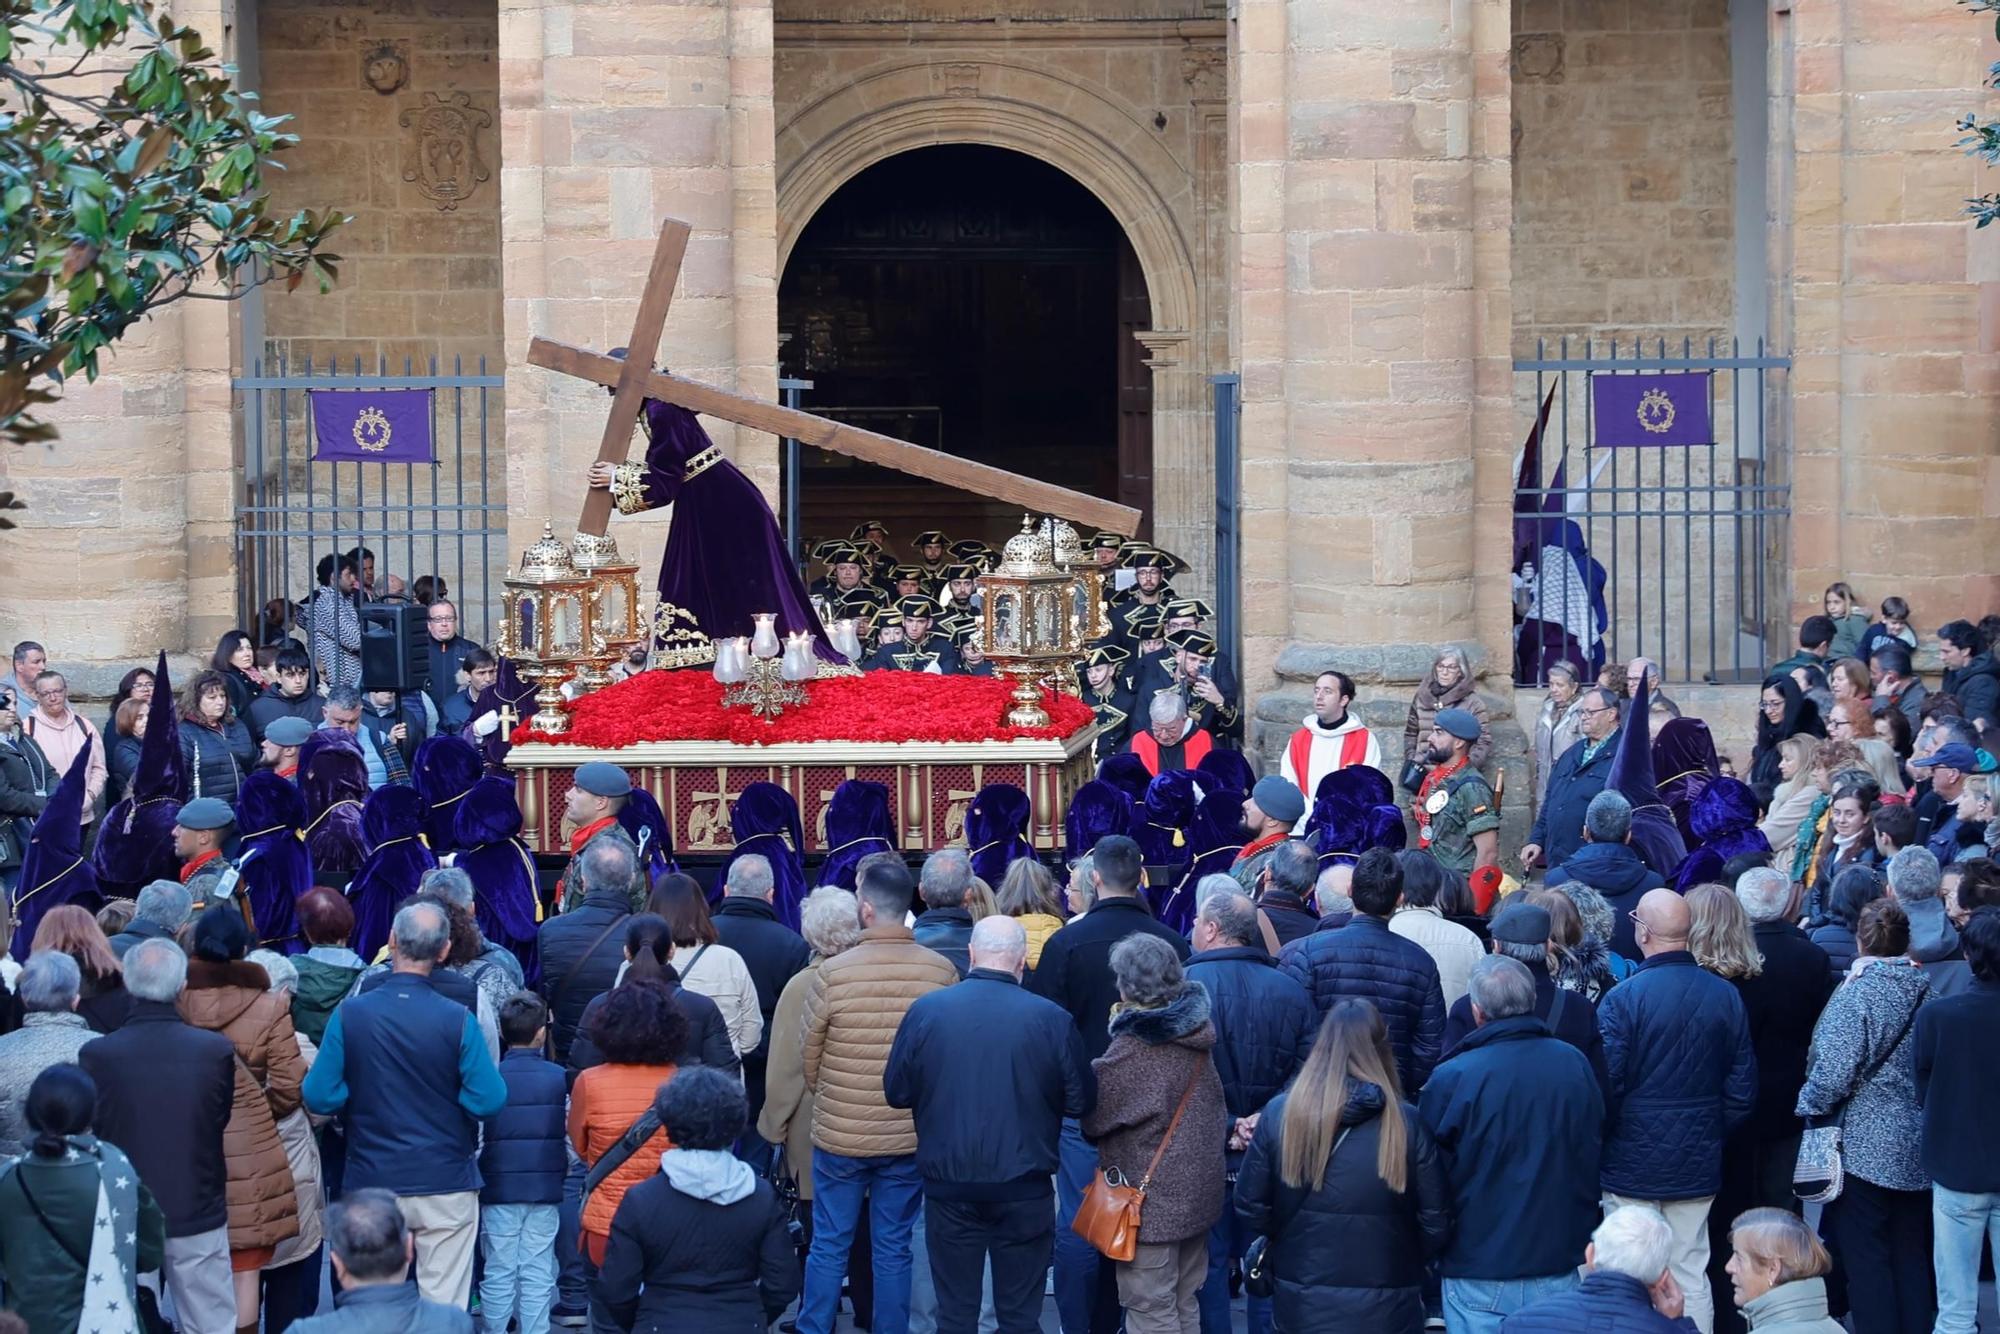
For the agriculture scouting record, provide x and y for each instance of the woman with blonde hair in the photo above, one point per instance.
(1778, 1268)
(1794, 798)
(1348, 1186)
(1028, 895)
(1720, 935)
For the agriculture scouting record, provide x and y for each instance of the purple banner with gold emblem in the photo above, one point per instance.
(372, 426)
(1651, 409)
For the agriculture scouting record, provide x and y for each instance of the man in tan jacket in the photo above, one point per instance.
(862, 1145)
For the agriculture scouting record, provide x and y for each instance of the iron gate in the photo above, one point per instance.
(1691, 540)
(446, 519)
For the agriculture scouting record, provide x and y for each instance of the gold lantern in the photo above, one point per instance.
(547, 629)
(614, 604)
(1090, 619)
(1027, 625)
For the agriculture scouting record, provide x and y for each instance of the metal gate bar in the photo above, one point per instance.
(1738, 501)
(292, 510)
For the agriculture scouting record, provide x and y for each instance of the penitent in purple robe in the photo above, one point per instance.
(725, 558)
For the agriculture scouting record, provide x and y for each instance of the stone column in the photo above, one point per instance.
(1183, 461)
(1371, 211)
(1890, 302)
(614, 116)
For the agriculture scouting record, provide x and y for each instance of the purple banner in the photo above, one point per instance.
(1651, 409)
(371, 425)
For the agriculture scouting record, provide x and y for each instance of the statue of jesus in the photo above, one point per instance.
(725, 559)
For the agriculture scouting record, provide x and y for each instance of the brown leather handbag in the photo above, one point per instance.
(1108, 1218)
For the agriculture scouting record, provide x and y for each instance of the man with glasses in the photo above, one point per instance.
(447, 648)
(1579, 775)
(1677, 1046)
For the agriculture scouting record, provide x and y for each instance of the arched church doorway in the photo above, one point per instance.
(979, 301)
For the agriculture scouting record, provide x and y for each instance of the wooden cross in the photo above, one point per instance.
(633, 380)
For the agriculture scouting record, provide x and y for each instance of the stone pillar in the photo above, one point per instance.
(1183, 456)
(614, 116)
(1890, 302)
(1371, 213)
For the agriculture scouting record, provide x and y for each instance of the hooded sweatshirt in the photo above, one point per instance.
(715, 1175)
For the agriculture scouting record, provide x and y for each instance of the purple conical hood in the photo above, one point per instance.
(54, 870)
(160, 772)
(1632, 763)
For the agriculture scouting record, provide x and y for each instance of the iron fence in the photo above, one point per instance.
(1691, 540)
(446, 518)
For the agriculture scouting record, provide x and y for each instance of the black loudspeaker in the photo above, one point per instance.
(395, 652)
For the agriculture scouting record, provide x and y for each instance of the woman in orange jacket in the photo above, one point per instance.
(641, 1033)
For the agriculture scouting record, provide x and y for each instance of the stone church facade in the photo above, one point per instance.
(1368, 211)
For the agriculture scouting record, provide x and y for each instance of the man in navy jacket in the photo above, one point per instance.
(1578, 775)
(1608, 863)
(412, 1072)
(1627, 1287)
(1365, 960)
(1517, 1116)
(1683, 1075)
(989, 1071)
(1264, 1026)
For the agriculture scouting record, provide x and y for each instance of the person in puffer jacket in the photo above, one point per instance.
(1264, 1027)
(522, 1164)
(1364, 960)
(862, 1145)
(1683, 1075)
(1351, 1232)
(1627, 1287)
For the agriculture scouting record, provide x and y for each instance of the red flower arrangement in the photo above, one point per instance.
(877, 706)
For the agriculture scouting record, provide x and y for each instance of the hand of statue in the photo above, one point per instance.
(600, 475)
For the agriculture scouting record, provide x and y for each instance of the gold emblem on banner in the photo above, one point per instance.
(1656, 412)
(372, 430)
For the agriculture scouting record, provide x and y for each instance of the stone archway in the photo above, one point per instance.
(1097, 142)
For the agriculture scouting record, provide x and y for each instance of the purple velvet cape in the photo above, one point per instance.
(1214, 839)
(858, 824)
(725, 558)
(54, 870)
(641, 815)
(1725, 824)
(1655, 836)
(1162, 833)
(1354, 809)
(996, 831)
(765, 820)
(393, 823)
(1685, 753)
(333, 779)
(1226, 769)
(487, 829)
(1096, 810)
(443, 771)
(135, 839)
(277, 867)
(1128, 773)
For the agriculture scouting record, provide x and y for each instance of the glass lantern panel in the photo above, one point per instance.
(1007, 621)
(613, 610)
(531, 643)
(565, 623)
(1047, 633)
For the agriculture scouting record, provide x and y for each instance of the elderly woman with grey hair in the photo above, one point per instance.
(51, 1034)
(291, 1276)
(830, 920)
(1161, 1122)
(1448, 685)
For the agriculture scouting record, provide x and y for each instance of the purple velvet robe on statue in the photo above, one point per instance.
(725, 558)
(487, 829)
